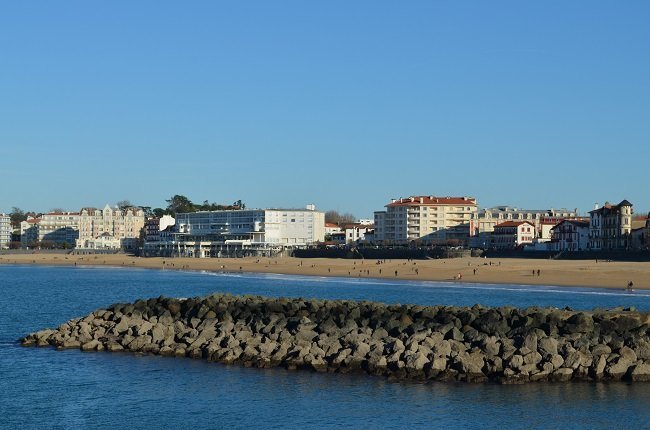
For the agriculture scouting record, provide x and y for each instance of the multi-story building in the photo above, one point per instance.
(215, 233)
(153, 226)
(109, 228)
(426, 220)
(610, 227)
(58, 228)
(512, 234)
(484, 220)
(570, 235)
(5, 231)
(355, 232)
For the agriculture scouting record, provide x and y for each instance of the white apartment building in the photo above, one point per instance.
(105, 228)
(211, 233)
(5, 231)
(60, 228)
(426, 220)
(610, 227)
(512, 234)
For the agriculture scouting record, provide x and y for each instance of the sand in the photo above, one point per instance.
(584, 273)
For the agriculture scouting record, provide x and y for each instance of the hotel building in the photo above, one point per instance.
(109, 228)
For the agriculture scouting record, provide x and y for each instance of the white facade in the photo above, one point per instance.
(123, 226)
(206, 233)
(427, 219)
(5, 231)
(356, 232)
(512, 234)
(570, 235)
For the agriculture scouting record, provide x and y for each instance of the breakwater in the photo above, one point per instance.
(447, 343)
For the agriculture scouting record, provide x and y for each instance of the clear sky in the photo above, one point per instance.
(343, 104)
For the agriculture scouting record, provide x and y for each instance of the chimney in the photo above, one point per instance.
(421, 200)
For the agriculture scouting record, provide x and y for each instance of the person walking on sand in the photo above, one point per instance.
(630, 285)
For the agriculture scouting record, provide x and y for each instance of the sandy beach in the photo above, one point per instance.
(584, 273)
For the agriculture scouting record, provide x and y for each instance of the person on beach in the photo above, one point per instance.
(630, 285)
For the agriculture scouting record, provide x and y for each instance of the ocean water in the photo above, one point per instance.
(45, 388)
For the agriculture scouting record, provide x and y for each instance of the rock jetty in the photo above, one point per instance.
(445, 343)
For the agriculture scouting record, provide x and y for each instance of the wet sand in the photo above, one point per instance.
(584, 273)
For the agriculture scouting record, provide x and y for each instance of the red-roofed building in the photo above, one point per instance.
(512, 234)
(426, 220)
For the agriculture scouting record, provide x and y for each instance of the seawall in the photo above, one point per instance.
(445, 343)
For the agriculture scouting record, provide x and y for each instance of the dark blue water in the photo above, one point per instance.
(44, 388)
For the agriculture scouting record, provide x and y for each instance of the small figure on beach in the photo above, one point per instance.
(396, 273)
(630, 285)
(459, 277)
(537, 272)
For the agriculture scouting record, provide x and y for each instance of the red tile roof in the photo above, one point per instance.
(432, 200)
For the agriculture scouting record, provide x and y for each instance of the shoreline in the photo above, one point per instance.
(556, 273)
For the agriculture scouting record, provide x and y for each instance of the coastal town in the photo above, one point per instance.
(187, 230)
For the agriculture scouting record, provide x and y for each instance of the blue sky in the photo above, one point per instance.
(342, 104)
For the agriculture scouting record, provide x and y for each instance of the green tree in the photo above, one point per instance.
(17, 216)
(180, 204)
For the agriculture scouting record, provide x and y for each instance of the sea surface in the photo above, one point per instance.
(45, 388)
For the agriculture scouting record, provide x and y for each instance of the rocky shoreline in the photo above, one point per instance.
(443, 343)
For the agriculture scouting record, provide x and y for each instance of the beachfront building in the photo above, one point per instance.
(570, 235)
(53, 229)
(484, 220)
(426, 220)
(109, 229)
(154, 225)
(512, 234)
(5, 231)
(356, 232)
(241, 232)
(610, 227)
